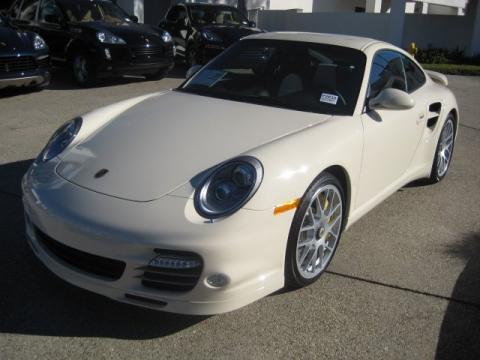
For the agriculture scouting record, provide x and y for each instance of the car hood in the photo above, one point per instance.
(132, 33)
(12, 40)
(231, 34)
(163, 142)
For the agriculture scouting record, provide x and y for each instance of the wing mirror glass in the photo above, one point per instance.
(391, 99)
(193, 70)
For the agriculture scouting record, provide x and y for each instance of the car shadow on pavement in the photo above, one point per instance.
(460, 330)
(33, 301)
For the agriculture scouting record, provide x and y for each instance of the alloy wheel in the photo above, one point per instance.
(319, 232)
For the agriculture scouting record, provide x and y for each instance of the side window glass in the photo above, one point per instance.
(29, 10)
(172, 15)
(49, 11)
(14, 11)
(415, 76)
(387, 72)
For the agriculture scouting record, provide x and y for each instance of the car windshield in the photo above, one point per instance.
(88, 11)
(216, 15)
(295, 75)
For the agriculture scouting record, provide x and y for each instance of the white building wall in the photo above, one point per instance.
(447, 32)
(305, 5)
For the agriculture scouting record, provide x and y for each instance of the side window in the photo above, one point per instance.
(415, 76)
(48, 11)
(387, 72)
(15, 9)
(176, 13)
(29, 10)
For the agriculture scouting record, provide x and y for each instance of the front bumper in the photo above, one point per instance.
(247, 248)
(125, 60)
(38, 77)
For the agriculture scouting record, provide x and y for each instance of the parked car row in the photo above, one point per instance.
(97, 39)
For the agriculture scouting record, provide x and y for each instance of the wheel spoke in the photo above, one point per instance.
(319, 232)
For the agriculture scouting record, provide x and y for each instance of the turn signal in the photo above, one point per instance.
(293, 204)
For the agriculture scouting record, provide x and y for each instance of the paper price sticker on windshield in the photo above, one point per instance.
(329, 99)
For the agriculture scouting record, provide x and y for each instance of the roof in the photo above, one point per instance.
(354, 42)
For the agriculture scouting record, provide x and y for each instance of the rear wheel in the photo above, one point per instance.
(315, 231)
(444, 151)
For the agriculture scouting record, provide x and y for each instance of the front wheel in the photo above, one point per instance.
(444, 151)
(83, 70)
(315, 231)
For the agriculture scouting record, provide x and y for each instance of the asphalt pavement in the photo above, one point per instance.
(405, 282)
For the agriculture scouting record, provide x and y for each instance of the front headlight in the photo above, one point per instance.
(106, 37)
(166, 37)
(229, 187)
(39, 43)
(61, 139)
(211, 36)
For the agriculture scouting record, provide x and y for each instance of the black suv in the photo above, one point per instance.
(96, 38)
(202, 31)
(24, 58)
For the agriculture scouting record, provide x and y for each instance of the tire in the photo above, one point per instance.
(324, 234)
(160, 74)
(191, 56)
(83, 69)
(444, 151)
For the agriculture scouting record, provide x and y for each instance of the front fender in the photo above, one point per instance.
(292, 163)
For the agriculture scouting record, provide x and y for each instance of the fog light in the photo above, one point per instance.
(108, 55)
(217, 280)
(174, 263)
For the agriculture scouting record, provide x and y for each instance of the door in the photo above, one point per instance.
(52, 26)
(391, 137)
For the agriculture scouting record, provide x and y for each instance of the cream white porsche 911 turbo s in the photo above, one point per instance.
(205, 198)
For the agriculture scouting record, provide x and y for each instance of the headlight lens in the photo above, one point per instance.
(211, 36)
(106, 37)
(229, 187)
(61, 139)
(166, 37)
(39, 43)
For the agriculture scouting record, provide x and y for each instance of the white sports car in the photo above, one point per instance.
(205, 198)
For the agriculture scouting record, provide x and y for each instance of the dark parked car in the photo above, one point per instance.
(24, 58)
(202, 31)
(96, 38)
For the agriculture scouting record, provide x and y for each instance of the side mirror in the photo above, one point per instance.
(133, 18)
(252, 24)
(391, 99)
(193, 70)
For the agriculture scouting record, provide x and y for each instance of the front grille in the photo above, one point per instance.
(15, 64)
(148, 54)
(172, 279)
(94, 264)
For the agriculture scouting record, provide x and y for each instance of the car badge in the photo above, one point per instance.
(101, 173)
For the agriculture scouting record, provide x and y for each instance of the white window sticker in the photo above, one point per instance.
(329, 98)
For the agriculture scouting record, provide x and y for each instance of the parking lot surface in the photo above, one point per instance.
(405, 282)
